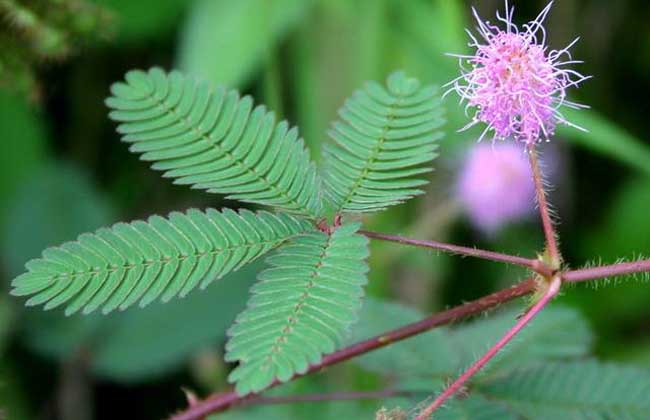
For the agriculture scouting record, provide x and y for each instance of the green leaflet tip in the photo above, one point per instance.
(69, 311)
(400, 84)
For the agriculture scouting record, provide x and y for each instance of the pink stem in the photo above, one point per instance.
(593, 273)
(533, 264)
(547, 223)
(553, 289)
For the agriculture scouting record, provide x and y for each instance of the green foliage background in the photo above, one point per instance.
(63, 172)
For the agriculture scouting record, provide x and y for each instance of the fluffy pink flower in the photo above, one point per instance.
(513, 82)
(496, 185)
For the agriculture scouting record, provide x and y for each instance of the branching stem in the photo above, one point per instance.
(222, 401)
(551, 292)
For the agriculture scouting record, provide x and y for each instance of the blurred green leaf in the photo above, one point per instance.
(54, 205)
(430, 30)
(636, 352)
(557, 333)
(623, 232)
(427, 354)
(6, 321)
(141, 344)
(225, 41)
(576, 390)
(337, 47)
(24, 144)
(322, 410)
(15, 394)
(141, 20)
(607, 138)
(624, 229)
(475, 407)
(56, 336)
(253, 413)
(312, 411)
(557, 390)
(146, 343)
(424, 32)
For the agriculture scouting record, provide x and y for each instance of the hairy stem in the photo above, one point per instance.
(223, 401)
(547, 223)
(551, 292)
(533, 264)
(619, 269)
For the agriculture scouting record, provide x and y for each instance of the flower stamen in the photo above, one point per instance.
(512, 82)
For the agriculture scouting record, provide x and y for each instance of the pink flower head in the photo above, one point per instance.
(496, 185)
(514, 83)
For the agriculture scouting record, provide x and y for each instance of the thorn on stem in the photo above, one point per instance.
(190, 396)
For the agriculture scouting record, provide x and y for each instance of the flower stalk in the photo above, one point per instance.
(552, 248)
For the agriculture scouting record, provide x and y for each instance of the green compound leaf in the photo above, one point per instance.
(300, 308)
(573, 390)
(215, 140)
(386, 138)
(142, 261)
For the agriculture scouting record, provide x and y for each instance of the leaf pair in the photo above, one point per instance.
(217, 141)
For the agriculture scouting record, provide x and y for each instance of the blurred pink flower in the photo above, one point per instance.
(496, 186)
(514, 83)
